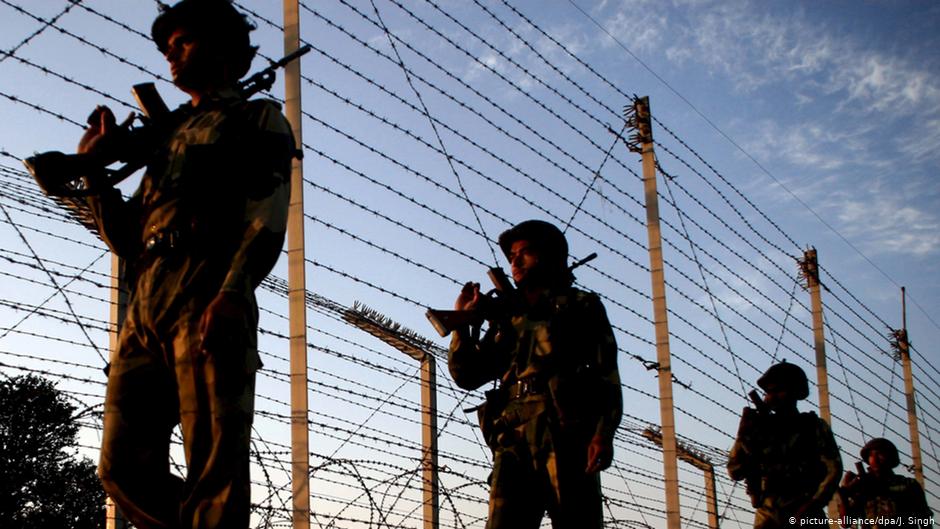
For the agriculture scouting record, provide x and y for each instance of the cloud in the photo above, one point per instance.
(886, 219)
(488, 62)
(846, 180)
(569, 35)
(811, 145)
(754, 49)
(919, 143)
(886, 84)
(638, 24)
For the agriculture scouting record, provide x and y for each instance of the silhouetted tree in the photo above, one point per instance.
(42, 481)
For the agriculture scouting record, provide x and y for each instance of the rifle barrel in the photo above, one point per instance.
(290, 56)
(583, 261)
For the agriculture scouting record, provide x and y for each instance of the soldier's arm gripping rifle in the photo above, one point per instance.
(744, 461)
(78, 175)
(490, 307)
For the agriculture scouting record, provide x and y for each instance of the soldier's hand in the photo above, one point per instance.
(225, 322)
(749, 422)
(102, 138)
(600, 454)
(469, 297)
(850, 479)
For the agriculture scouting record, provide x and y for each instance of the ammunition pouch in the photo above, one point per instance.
(489, 415)
(752, 485)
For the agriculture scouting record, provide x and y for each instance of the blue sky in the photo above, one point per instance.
(838, 101)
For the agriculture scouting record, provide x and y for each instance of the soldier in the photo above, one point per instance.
(551, 423)
(880, 498)
(203, 229)
(789, 459)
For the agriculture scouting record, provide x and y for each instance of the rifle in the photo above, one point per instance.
(494, 305)
(749, 421)
(759, 404)
(78, 175)
(860, 469)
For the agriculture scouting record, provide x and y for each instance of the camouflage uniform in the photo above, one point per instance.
(795, 460)
(563, 350)
(209, 216)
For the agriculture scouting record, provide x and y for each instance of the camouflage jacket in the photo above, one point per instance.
(794, 459)
(892, 497)
(221, 179)
(565, 343)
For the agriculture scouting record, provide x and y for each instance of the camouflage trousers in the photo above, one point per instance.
(159, 378)
(536, 468)
(771, 514)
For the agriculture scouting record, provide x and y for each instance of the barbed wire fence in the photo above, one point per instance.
(401, 102)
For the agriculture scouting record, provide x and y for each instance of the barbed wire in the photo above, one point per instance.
(717, 383)
(708, 291)
(576, 130)
(41, 109)
(437, 134)
(74, 82)
(457, 79)
(45, 25)
(55, 284)
(86, 42)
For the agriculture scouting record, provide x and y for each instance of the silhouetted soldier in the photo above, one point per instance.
(789, 459)
(551, 424)
(880, 498)
(204, 228)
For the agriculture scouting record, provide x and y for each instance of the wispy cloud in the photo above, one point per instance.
(857, 109)
(640, 29)
(886, 217)
(810, 145)
(753, 50)
(518, 50)
(920, 143)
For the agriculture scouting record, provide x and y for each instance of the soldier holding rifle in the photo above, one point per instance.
(880, 498)
(551, 422)
(789, 460)
(204, 228)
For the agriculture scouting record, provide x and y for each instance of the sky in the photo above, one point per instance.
(781, 126)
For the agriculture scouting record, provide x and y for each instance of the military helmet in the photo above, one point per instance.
(884, 446)
(545, 236)
(788, 375)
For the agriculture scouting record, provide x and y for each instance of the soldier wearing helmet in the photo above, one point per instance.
(551, 423)
(789, 459)
(880, 498)
(204, 228)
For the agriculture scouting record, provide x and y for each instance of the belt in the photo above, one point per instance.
(525, 387)
(164, 242)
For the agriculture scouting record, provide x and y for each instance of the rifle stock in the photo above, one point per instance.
(446, 321)
(61, 175)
